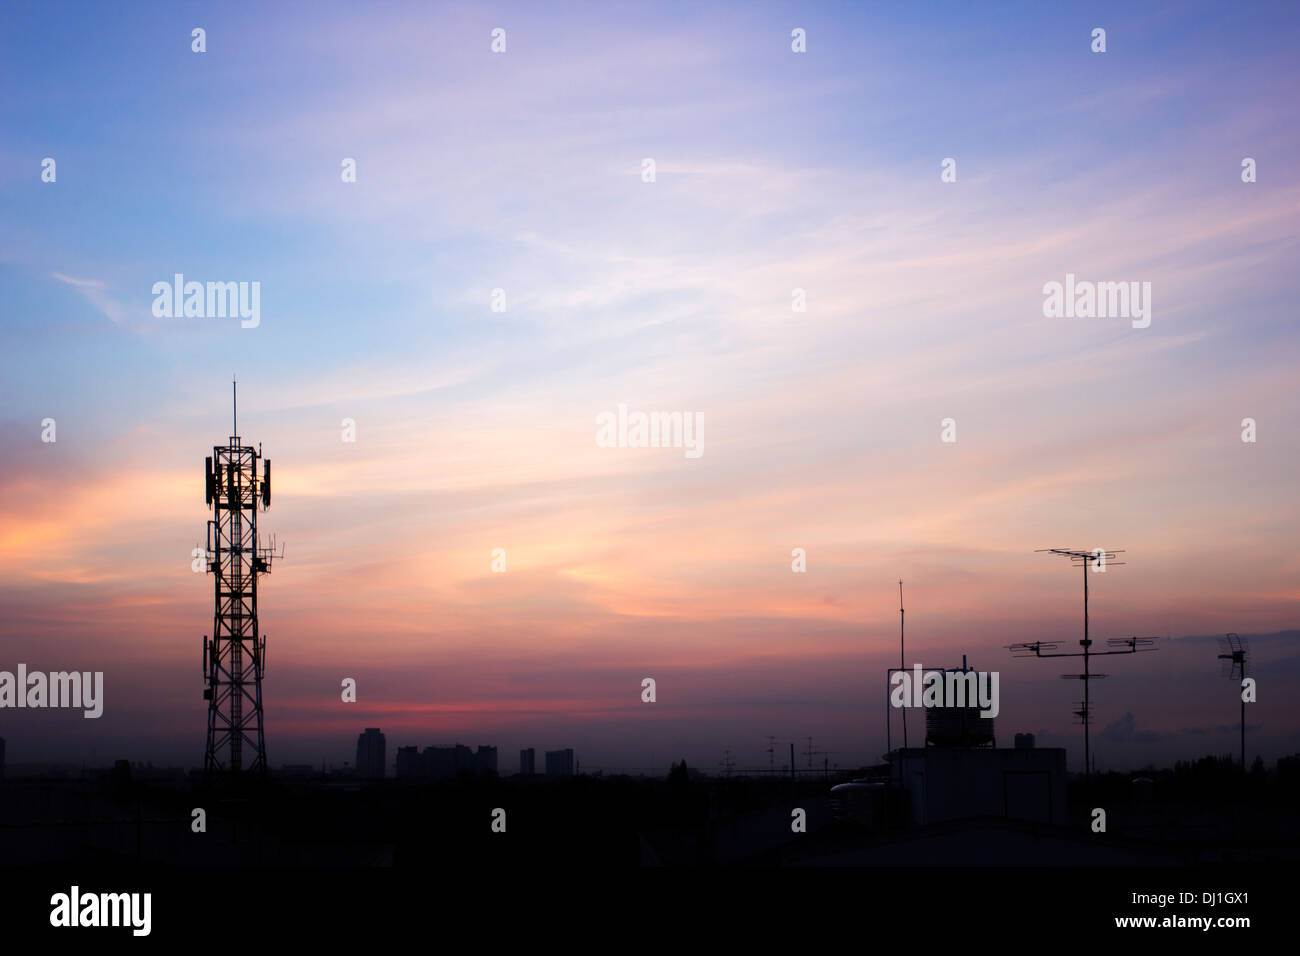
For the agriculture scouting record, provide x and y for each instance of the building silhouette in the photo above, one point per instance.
(444, 763)
(559, 763)
(409, 763)
(2, 758)
(371, 754)
(528, 762)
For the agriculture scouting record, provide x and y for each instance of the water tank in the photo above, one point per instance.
(957, 727)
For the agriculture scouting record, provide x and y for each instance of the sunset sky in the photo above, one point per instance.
(476, 429)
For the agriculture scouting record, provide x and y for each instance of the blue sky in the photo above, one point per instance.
(522, 171)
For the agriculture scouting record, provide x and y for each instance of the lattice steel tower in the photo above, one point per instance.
(235, 655)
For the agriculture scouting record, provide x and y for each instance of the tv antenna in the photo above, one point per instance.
(1098, 560)
(1234, 666)
(771, 753)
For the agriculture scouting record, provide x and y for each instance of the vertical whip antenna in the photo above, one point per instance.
(902, 656)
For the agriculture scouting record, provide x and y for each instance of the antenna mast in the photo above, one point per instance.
(1235, 666)
(902, 657)
(1098, 560)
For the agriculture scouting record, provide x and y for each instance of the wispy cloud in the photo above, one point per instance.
(96, 293)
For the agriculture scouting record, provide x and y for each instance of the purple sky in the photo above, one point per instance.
(775, 171)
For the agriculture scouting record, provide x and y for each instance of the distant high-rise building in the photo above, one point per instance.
(445, 763)
(438, 762)
(1024, 741)
(559, 763)
(528, 762)
(409, 762)
(371, 753)
(464, 759)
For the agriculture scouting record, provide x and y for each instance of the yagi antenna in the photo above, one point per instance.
(1097, 559)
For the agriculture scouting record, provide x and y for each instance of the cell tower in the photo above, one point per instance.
(1096, 560)
(1234, 665)
(235, 656)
